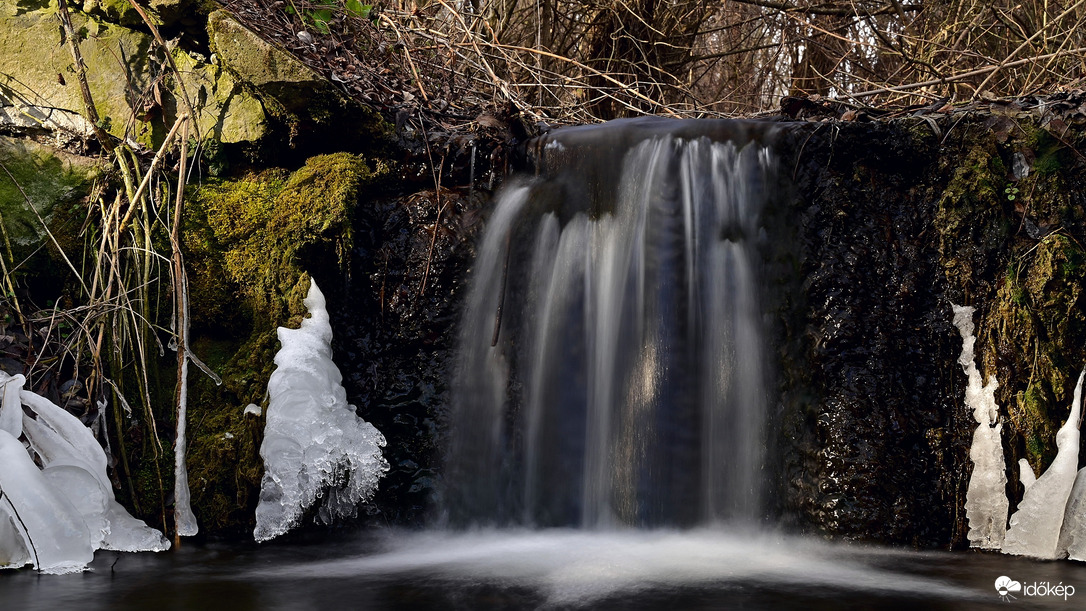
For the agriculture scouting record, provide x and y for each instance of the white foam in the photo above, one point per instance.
(579, 568)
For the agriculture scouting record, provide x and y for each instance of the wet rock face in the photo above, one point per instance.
(868, 394)
(395, 335)
(889, 225)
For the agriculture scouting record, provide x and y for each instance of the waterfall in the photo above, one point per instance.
(611, 368)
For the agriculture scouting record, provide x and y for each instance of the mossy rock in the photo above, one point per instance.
(251, 241)
(1035, 330)
(43, 193)
(1005, 220)
(971, 219)
(311, 109)
(38, 77)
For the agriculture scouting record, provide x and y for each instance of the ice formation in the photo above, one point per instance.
(1073, 533)
(184, 519)
(1026, 474)
(55, 516)
(183, 516)
(986, 503)
(1035, 527)
(315, 446)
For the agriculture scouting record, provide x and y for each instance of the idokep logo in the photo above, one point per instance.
(1005, 586)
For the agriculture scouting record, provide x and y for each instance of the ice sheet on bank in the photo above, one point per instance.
(1035, 527)
(986, 503)
(49, 530)
(315, 446)
(66, 509)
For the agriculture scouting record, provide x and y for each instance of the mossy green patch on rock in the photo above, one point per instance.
(1035, 330)
(223, 458)
(970, 218)
(46, 177)
(42, 191)
(262, 222)
(250, 242)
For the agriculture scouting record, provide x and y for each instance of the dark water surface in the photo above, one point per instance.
(550, 569)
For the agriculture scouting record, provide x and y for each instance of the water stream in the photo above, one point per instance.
(540, 569)
(611, 368)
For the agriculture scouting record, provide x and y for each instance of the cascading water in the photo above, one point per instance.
(611, 365)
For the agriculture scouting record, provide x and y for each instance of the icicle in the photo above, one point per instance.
(986, 503)
(1026, 474)
(1035, 527)
(315, 446)
(11, 410)
(1073, 533)
(184, 521)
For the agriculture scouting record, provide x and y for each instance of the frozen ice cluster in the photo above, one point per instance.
(56, 501)
(315, 447)
(1050, 522)
(1035, 527)
(986, 497)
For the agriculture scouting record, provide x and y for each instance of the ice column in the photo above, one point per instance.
(1073, 533)
(315, 446)
(986, 502)
(1026, 474)
(1035, 527)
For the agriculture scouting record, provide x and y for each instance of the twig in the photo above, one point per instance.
(81, 75)
(173, 66)
(1025, 43)
(33, 548)
(964, 75)
(150, 170)
(407, 54)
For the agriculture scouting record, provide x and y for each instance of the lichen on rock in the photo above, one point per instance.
(132, 95)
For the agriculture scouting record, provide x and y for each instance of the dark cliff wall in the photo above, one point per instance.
(883, 226)
(889, 224)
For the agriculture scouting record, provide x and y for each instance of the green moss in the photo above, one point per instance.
(261, 223)
(250, 242)
(970, 217)
(1034, 330)
(58, 185)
